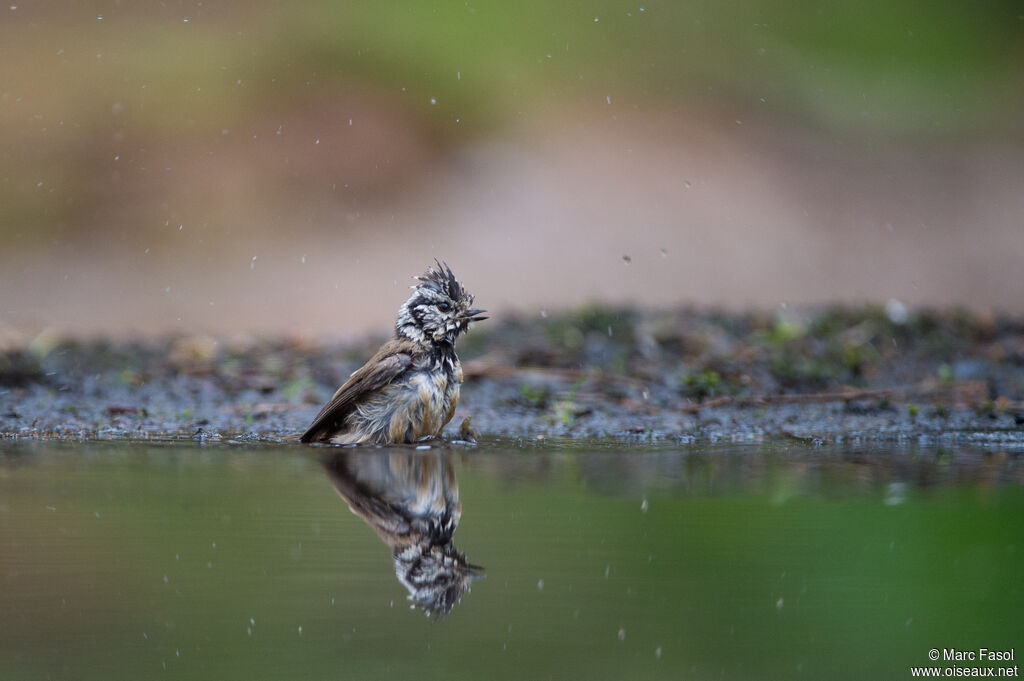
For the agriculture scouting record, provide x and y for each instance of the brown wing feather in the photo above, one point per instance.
(391, 360)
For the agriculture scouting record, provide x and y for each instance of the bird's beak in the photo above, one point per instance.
(471, 315)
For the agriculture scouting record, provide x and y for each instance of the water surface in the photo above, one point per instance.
(128, 561)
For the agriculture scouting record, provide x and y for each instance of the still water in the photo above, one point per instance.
(137, 561)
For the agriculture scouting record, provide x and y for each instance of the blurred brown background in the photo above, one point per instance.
(280, 167)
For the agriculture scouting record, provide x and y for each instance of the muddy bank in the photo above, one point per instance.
(830, 375)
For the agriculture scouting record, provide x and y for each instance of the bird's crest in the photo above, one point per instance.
(440, 278)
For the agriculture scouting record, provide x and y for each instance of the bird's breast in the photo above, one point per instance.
(423, 405)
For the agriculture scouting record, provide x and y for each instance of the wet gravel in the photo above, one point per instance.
(829, 375)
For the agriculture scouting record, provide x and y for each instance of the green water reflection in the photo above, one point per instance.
(178, 561)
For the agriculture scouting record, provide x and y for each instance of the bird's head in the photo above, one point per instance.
(439, 308)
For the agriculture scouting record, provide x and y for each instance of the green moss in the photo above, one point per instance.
(295, 389)
(838, 346)
(701, 384)
(533, 396)
(565, 410)
(781, 333)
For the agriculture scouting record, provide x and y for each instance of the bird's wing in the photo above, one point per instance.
(389, 362)
(387, 519)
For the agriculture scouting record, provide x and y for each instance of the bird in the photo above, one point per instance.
(407, 392)
(411, 501)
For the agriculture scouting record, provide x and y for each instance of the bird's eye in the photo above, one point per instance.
(444, 307)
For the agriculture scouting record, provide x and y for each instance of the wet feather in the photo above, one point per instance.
(410, 388)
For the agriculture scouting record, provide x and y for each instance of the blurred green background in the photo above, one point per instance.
(160, 159)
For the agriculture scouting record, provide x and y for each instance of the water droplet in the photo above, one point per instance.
(540, 585)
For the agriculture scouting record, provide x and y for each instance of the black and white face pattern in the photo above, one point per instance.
(436, 577)
(439, 308)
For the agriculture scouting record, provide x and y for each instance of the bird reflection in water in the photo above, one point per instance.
(411, 500)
